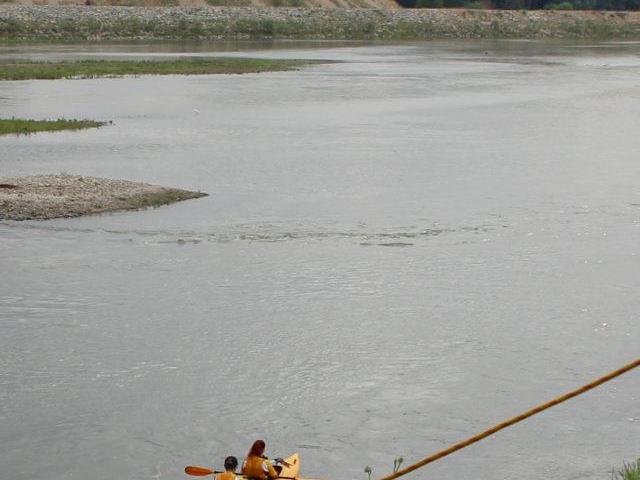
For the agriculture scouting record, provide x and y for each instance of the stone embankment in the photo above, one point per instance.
(43, 197)
(46, 23)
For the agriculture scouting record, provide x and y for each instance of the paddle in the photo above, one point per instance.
(198, 471)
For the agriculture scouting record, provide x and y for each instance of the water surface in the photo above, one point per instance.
(398, 251)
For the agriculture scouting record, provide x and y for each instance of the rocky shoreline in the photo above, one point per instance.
(68, 23)
(43, 197)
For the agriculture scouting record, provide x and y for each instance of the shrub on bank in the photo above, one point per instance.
(474, 5)
(429, 3)
(559, 6)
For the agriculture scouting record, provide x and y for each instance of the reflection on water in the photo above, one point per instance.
(398, 251)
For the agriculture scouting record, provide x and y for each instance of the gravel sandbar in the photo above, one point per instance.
(43, 197)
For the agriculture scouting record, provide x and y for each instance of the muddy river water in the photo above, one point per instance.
(397, 251)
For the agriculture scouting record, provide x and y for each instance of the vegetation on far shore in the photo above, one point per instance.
(27, 70)
(20, 126)
(98, 24)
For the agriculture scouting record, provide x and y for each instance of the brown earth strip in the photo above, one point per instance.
(219, 3)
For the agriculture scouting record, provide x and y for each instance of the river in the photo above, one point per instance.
(398, 251)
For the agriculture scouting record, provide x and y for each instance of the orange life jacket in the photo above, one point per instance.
(258, 468)
(226, 476)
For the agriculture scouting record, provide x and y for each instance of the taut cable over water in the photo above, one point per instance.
(512, 421)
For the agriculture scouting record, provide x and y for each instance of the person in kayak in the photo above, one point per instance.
(230, 465)
(257, 466)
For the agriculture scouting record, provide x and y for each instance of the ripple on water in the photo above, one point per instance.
(268, 234)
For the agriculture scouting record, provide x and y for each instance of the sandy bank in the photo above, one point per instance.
(44, 197)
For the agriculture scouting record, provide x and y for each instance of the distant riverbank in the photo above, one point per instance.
(67, 23)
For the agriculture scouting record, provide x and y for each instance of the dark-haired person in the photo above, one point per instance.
(257, 466)
(230, 465)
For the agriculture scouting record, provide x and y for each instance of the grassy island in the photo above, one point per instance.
(24, 127)
(44, 197)
(24, 70)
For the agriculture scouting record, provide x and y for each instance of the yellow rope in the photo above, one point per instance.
(512, 421)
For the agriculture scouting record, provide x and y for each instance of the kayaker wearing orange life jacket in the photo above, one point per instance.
(257, 466)
(230, 465)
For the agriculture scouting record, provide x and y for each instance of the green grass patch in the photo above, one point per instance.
(117, 68)
(629, 471)
(23, 127)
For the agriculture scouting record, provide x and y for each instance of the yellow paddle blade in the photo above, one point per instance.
(197, 471)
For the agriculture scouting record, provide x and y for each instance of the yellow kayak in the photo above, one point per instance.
(289, 467)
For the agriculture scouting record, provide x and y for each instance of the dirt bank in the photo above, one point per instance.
(103, 23)
(44, 197)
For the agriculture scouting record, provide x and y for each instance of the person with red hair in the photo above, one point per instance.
(257, 466)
